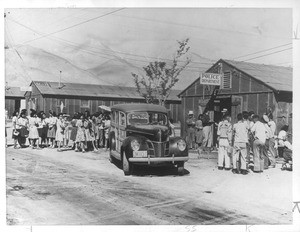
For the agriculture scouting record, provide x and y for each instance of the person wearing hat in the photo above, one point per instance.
(224, 133)
(190, 130)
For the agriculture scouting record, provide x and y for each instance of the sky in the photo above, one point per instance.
(88, 37)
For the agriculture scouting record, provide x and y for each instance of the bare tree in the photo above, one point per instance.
(161, 77)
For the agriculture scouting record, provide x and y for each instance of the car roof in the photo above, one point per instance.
(139, 107)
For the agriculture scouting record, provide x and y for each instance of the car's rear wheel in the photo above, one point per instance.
(127, 166)
(180, 168)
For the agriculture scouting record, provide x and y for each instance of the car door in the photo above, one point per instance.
(121, 130)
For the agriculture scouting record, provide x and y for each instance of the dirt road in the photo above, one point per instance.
(45, 187)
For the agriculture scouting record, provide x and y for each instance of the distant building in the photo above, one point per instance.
(74, 97)
(244, 87)
(13, 98)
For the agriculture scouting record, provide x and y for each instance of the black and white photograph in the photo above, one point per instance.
(140, 115)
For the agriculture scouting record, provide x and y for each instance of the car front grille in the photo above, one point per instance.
(158, 149)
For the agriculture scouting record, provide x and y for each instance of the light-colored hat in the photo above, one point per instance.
(190, 112)
(224, 110)
(266, 118)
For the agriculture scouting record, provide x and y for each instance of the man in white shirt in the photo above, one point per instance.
(259, 133)
(225, 138)
(272, 150)
(240, 131)
(268, 157)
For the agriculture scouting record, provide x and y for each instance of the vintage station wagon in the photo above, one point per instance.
(140, 135)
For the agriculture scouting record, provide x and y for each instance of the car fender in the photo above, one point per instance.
(126, 145)
(173, 148)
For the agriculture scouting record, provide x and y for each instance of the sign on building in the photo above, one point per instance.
(210, 79)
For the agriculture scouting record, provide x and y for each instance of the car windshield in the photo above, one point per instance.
(147, 118)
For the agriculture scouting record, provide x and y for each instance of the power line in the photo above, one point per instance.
(107, 54)
(193, 26)
(268, 54)
(262, 51)
(75, 25)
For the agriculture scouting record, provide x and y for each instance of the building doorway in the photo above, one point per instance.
(220, 103)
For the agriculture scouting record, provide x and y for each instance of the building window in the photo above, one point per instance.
(85, 103)
(59, 101)
(122, 119)
(226, 81)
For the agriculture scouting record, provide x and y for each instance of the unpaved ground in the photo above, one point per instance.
(45, 187)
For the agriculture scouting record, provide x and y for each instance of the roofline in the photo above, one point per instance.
(199, 78)
(130, 98)
(231, 65)
(139, 107)
(251, 76)
(168, 101)
(14, 97)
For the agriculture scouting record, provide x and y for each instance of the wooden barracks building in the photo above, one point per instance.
(243, 87)
(74, 97)
(14, 98)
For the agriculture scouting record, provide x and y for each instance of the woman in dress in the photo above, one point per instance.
(43, 129)
(80, 136)
(87, 131)
(33, 124)
(67, 132)
(100, 123)
(60, 128)
(16, 129)
(106, 130)
(90, 133)
(74, 129)
(23, 125)
(51, 134)
(95, 128)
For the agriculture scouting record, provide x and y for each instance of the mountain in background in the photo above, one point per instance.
(28, 63)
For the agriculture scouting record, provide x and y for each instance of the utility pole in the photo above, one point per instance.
(59, 86)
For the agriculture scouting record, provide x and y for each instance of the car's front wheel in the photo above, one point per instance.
(127, 166)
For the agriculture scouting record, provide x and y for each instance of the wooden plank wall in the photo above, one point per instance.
(243, 86)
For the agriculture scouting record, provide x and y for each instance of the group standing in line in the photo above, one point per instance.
(82, 132)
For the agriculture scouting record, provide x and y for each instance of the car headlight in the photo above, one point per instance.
(181, 144)
(135, 145)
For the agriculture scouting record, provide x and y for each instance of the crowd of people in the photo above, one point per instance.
(251, 143)
(81, 132)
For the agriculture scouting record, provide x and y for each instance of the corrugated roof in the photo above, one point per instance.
(14, 92)
(277, 77)
(87, 90)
